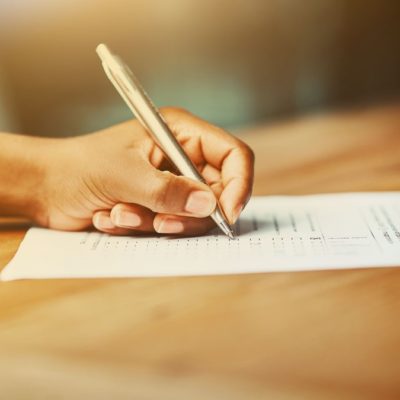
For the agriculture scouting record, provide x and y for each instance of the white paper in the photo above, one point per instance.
(277, 233)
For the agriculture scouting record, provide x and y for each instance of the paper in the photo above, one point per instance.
(278, 233)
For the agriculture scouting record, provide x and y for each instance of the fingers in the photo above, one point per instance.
(102, 222)
(132, 217)
(207, 144)
(177, 225)
(124, 219)
(237, 178)
(128, 219)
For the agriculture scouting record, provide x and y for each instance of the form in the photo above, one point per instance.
(274, 233)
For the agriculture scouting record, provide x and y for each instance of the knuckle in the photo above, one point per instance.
(246, 150)
(174, 116)
(251, 153)
(173, 111)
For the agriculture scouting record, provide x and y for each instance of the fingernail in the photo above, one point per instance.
(200, 203)
(104, 222)
(127, 219)
(169, 225)
(237, 213)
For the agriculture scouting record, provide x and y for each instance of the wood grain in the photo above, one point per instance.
(309, 335)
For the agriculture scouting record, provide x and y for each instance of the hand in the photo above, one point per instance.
(119, 181)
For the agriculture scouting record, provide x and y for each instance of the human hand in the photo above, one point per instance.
(119, 180)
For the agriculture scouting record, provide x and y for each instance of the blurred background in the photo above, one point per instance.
(236, 63)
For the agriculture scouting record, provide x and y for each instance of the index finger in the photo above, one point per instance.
(214, 146)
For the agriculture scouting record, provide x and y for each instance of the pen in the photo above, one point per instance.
(145, 111)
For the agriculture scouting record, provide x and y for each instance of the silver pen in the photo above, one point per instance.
(145, 111)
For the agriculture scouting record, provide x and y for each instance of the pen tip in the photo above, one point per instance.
(226, 229)
(229, 232)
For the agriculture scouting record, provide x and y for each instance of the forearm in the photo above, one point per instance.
(22, 172)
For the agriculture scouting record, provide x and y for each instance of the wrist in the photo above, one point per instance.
(22, 176)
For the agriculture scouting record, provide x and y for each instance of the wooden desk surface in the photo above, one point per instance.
(309, 335)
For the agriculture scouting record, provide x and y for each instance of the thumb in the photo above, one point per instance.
(167, 193)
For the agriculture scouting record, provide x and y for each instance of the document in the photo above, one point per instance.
(274, 233)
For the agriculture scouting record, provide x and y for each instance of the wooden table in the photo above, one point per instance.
(309, 335)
